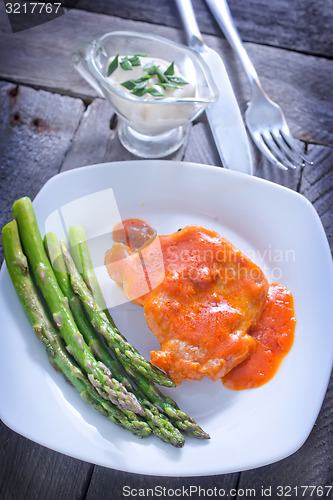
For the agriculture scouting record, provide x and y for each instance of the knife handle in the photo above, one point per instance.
(222, 14)
(193, 35)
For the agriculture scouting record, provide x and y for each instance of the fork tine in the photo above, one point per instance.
(280, 156)
(290, 141)
(264, 149)
(280, 142)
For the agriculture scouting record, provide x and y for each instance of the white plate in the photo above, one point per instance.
(279, 229)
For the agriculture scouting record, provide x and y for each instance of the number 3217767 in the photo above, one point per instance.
(304, 491)
(32, 8)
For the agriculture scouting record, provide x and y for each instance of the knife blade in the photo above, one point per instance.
(224, 115)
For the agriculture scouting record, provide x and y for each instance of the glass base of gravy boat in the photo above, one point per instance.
(149, 127)
(151, 146)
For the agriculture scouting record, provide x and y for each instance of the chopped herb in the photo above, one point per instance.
(139, 92)
(170, 70)
(113, 65)
(126, 64)
(160, 75)
(139, 86)
(139, 55)
(155, 92)
(151, 69)
(147, 66)
(168, 86)
(129, 84)
(142, 79)
(177, 79)
(135, 61)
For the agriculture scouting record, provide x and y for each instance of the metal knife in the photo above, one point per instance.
(224, 116)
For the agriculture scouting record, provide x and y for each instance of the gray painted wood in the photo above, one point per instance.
(96, 140)
(121, 483)
(317, 186)
(310, 463)
(69, 135)
(300, 84)
(284, 23)
(201, 149)
(36, 130)
(31, 472)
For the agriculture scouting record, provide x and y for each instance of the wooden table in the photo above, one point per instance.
(51, 121)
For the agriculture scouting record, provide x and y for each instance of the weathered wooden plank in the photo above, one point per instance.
(96, 141)
(200, 148)
(144, 486)
(93, 137)
(311, 465)
(317, 186)
(312, 182)
(303, 26)
(32, 472)
(36, 129)
(285, 76)
(200, 145)
(300, 84)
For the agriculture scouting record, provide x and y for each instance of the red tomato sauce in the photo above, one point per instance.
(273, 332)
(274, 336)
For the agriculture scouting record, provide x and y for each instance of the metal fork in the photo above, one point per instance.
(264, 118)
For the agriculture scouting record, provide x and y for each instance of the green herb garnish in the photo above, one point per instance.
(135, 61)
(113, 65)
(147, 66)
(151, 69)
(170, 70)
(139, 91)
(139, 86)
(177, 79)
(126, 64)
(142, 79)
(161, 76)
(155, 70)
(168, 86)
(155, 92)
(129, 84)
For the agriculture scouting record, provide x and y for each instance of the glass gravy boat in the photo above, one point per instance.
(148, 127)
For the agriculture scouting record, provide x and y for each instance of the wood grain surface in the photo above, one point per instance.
(296, 25)
(51, 121)
(36, 130)
(301, 84)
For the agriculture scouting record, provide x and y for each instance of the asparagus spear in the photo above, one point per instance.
(45, 330)
(96, 345)
(124, 351)
(98, 374)
(160, 424)
(83, 262)
(179, 418)
(165, 404)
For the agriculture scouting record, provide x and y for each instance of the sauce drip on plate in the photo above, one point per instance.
(274, 336)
